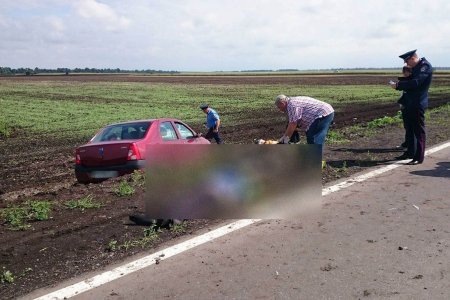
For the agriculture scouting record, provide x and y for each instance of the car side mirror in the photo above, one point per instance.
(197, 135)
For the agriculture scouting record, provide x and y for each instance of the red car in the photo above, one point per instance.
(119, 149)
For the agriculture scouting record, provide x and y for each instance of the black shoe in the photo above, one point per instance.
(142, 220)
(415, 162)
(403, 156)
(402, 146)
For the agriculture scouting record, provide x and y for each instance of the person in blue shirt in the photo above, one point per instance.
(417, 100)
(212, 123)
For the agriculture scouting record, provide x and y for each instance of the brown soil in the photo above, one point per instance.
(343, 79)
(199, 79)
(74, 241)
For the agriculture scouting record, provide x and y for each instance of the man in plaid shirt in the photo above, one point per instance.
(313, 115)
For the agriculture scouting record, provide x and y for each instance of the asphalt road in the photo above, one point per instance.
(386, 237)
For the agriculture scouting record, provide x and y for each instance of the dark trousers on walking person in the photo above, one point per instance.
(211, 134)
(416, 119)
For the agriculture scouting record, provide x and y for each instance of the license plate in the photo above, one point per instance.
(104, 174)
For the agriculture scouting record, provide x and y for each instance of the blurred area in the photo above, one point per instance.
(232, 181)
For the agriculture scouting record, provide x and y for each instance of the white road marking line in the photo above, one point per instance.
(371, 174)
(136, 265)
(361, 178)
(437, 148)
(151, 259)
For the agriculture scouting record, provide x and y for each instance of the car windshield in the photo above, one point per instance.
(128, 131)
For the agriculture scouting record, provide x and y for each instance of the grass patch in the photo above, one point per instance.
(5, 129)
(438, 116)
(347, 134)
(336, 137)
(138, 178)
(178, 228)
(385, 121)
(17, 217)
(40, 210)
(124, 189)
(442, 109)
(112, 246)
(150, 234)
(87, 202)
(6, 276)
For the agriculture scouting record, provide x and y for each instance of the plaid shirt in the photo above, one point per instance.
(304, 110)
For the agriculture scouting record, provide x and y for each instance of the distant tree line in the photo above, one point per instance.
(67, 71)
(28, 71)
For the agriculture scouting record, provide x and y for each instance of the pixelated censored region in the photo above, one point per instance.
(232, 181)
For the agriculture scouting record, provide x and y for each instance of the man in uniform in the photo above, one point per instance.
(212, 122)
(417, 100)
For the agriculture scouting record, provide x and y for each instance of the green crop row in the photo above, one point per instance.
(81, 108)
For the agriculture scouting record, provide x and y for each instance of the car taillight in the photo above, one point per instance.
(133, 152)
(77, 157)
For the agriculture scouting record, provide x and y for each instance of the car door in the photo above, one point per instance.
(187, 136)
(168, 133)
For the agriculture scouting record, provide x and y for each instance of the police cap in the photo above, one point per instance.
(407, 55)
(204, 106)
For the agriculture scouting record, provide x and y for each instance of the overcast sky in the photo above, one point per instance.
(221, 35)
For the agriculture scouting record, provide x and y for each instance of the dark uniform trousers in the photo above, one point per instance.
(409, 134)
(416, 144)
(211, 134)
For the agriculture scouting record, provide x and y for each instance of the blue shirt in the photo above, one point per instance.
(211, 118)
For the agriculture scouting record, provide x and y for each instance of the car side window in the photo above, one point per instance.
(185, 132)
(167, 131)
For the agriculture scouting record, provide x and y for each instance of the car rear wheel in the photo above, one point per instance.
(82, 177)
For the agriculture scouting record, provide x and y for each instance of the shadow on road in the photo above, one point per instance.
(442, 170)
